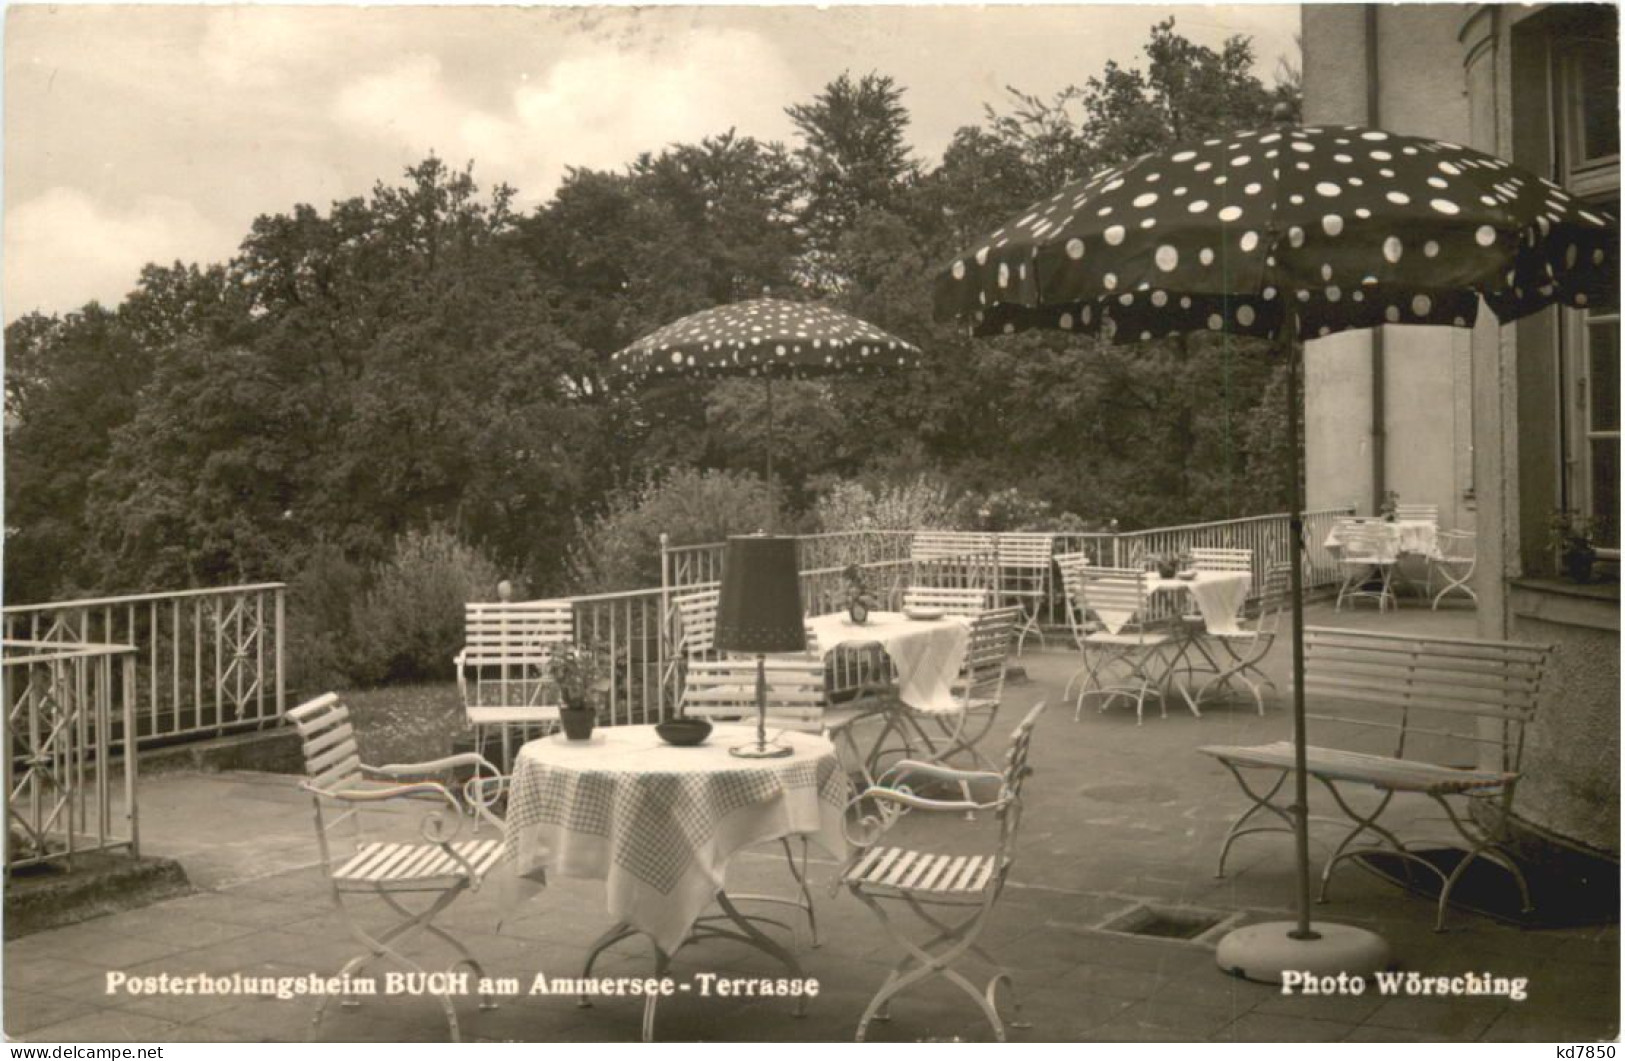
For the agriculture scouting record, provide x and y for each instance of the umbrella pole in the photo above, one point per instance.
(772, 503)
(1300, 742)
(1268, 951)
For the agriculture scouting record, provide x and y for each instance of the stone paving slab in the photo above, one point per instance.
(1119, 814)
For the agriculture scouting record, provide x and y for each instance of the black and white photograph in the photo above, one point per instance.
(894, 523)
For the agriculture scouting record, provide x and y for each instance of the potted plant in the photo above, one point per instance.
(1389, 509)
(1572, 536)
(578, 675)
(1167, 565)
(859, 600)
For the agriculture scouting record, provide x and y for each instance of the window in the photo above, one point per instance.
(1587, 78)
(1585, 68)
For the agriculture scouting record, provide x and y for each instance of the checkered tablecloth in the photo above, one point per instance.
(927, 654)
(658, 823)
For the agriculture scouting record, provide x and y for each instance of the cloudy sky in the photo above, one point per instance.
(137, 134)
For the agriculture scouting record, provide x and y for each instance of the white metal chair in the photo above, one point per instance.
(1421, 513)
(964, 559)
(1368, 560)
(1025, 561)
(1454, 559)
(935, 883)
(502, 668)
(1205, 628)
(949, 600)
(442, 865)
(697, 622)
(1070, 566)
(724, 690)
(978, 691)
(1115, 637)
(1222, 559)
(1247, 645)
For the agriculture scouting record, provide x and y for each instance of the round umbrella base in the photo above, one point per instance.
(1266, 951)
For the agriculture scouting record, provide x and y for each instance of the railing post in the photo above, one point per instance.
(663, 674)
(281, 687)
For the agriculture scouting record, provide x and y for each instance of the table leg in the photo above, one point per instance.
(616, 932)
(763, 942)
(652, 999)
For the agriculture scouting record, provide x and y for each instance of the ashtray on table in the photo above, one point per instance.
(683, 732)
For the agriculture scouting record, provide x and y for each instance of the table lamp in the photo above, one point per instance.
(759, 611)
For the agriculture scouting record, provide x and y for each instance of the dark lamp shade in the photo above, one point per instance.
(760, 606)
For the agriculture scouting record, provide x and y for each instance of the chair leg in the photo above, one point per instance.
(921, 962)
(385, 944)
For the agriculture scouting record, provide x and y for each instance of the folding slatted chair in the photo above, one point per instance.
(697, 622)
(1423, 513)
(443, 864)
(953, 559)
(1454, 558)
(1223, 559)
(978, 690)
(966, 601)
(1070, 566)
(1367, 563)
(1118, 638)
(502, 668)
(934, 884)
(724, 690)
(1024, 579)
(1247, 644)
(1208, 628)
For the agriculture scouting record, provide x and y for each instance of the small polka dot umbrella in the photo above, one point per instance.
(1352, 227)
(1288, 233)
(766, 337)
(770, 338)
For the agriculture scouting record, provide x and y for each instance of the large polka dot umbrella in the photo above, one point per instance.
(766, 337)
(1288, 233)
(1353, 227)
(770, 338)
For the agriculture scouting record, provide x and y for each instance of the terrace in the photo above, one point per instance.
(1123, 826)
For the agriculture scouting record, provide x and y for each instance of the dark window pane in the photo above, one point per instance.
(1605, 489)
(1604, 382)
(1599, 98)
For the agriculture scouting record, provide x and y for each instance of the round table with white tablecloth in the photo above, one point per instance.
(658, 823)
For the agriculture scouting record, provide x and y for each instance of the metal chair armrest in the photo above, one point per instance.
(474, 759)
(910, 800)
(905, 769)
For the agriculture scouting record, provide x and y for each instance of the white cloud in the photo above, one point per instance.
(595, 109)
(64, 249)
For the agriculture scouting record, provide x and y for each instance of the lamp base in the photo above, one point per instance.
(1263, 952)
(760, 750)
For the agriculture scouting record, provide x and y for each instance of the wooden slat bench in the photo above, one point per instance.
(1411, 689)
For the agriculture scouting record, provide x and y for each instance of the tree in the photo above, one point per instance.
(854, 157)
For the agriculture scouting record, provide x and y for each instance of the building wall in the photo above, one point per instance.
(1474, 74)
(1423, 428)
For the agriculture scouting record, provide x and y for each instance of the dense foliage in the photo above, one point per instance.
(428, 359)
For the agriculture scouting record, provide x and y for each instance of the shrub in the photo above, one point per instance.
(321, 609)
(410, 623)
(620, 550)
(920, 503)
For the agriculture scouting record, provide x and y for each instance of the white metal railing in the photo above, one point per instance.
(208, 661)
(67, 706)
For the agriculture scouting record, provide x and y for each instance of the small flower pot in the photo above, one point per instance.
(577, 722)
(1577, 564)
